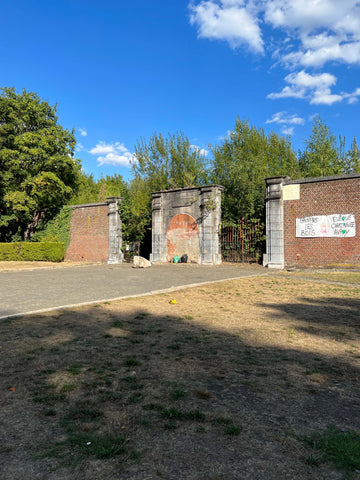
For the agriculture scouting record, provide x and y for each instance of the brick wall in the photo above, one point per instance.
(182, 237)
(325, 197)
(89, 240)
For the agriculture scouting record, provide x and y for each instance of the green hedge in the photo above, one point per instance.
(31, 252)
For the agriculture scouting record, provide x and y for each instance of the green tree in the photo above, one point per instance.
(38, 172)
(169, 163)
(162, 163)
(321, 156)
(242, 163)
(352, 162)
(87, 190)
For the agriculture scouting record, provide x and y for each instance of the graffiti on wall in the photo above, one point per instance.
(335, 225)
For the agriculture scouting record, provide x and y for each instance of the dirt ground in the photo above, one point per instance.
(215, 382)
(11, 266)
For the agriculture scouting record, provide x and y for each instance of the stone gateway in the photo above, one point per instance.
(186, 221)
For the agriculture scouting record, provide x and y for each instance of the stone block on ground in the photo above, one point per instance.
(141, 262)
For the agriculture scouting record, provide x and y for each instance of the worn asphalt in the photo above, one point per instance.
(44, 289)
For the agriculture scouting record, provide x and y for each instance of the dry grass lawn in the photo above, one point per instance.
(223, 384)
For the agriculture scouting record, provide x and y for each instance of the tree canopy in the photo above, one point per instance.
(162, 163)
(38, 172)
(321, 156)
(242, 163)
(169, 162)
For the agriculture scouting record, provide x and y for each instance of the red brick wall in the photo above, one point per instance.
(182, 237)
(322, 198)
(89, 234)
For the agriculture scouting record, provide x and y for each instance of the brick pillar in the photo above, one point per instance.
(115, 231)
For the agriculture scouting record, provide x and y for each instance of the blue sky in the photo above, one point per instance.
(122, 70)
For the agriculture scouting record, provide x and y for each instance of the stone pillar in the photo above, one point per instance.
(115, 231)
(210, 204)
(275, 222)
(158, 255)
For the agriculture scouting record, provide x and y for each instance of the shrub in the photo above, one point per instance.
(27, 251)
(56, 230)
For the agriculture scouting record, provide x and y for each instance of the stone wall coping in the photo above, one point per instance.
(331, 178)
(98, 204)
(188, 188)
(83, 205)
(287, 181)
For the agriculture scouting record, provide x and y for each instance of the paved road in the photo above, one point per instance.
(44, 289)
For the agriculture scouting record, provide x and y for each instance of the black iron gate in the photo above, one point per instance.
(243, 241)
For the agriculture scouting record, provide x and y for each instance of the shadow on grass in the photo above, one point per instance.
(114, 395)
(329, 317)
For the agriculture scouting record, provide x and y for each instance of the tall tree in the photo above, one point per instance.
(163, 163)
(38, 171)
(169, 162)
(321, 156)
(87, 190)
(352, 163)
(242, 163)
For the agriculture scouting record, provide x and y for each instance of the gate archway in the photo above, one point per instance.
(182, 237)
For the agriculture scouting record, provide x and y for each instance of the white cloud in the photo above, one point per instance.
(115, 154)
(83, 132)
(305, 14)
(316, 57)
(327, 30)
(287, 130)
(202, 151)
(284, 118)
(307, 34)
(102, 148)
(316, 88)
(230, 20)
(323, 30)
(286, 121)
(79, 147)
(325, 97)
(352, 97)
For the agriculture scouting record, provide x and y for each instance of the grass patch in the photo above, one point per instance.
(329, 275)
(75, 369)
(79, 446)
(342, 448)
(220, 379)
(177, 393)
(82, 413)
(132, 362)
(233, 430)
(117, 324)
(175, 414)
(222, 421)
(48, 398)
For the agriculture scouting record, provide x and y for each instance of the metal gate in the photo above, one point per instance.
(243, 241)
